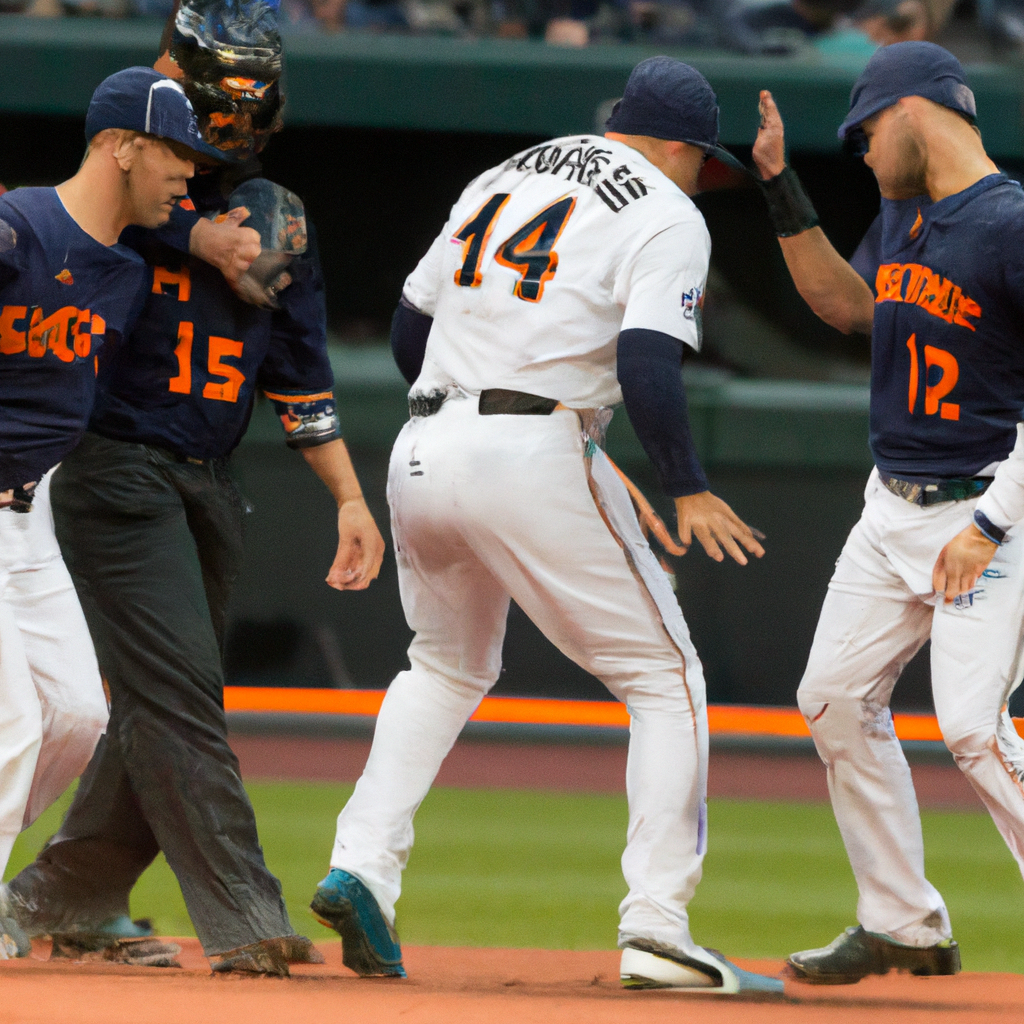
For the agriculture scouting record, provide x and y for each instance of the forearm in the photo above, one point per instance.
(180, 228)
(1002, 505)
(332, 464)
(827, 283)
(649, 371)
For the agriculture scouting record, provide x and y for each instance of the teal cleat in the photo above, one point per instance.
(369, 945)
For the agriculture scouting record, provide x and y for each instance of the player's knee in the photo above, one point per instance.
(659, 691)
(822, 709)
(82, 714)
(92, 722)
(966, 740)
(462, 680)
(840, 725)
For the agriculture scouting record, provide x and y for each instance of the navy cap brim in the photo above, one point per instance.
(204, 149)
(862, 111)
(722, 155)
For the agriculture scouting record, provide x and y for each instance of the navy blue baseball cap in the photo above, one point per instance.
(143, 100)
(667, 99)
(908, 69)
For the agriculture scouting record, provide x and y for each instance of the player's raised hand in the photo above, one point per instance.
(770, 145)
(360, 548)
(961, 562)
(226, 244)
(716, 526)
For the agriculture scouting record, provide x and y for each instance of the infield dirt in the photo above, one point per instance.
(470, 986)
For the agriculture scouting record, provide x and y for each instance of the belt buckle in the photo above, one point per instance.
(907, 490)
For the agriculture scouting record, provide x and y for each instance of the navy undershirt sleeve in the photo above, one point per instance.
(649, 371)
(177, 232)
(409, 332)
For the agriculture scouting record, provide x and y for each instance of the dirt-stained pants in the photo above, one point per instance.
(154, 545)
(879, 611)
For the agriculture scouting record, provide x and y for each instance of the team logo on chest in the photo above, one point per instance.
(67, 333)
(922, 286)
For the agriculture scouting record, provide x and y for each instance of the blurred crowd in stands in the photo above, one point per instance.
(984, 27)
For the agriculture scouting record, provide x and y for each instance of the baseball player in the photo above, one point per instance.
(942, 295)
(566, 280)
(150, 524)
(66, 286)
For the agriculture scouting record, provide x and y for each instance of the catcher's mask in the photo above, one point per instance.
(280, 218)
(230, 54)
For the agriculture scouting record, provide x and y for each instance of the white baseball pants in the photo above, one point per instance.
(485, 508)
(879, 610)
(52, 706)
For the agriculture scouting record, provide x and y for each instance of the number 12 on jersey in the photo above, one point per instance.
(935, 389)
(530, 250)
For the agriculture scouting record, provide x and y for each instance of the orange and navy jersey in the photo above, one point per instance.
(947, 347)
(62, 293)
(197, 355)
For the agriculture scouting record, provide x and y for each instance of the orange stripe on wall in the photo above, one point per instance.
(723, 719)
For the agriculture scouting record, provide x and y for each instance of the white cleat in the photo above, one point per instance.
(706, 972)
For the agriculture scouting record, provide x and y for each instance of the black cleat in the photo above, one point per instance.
(266, 957)
(14, 942)
(297, 949)
(101, 948)
(856, 953)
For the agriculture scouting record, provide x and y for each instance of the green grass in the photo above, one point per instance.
(511, 868)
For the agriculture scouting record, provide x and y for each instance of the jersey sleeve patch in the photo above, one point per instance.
(308, 420)
(663, 287)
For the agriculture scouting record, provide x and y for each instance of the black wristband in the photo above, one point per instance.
(790, 210)
(988, 529)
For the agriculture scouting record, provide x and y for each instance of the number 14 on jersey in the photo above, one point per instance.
(530, 250)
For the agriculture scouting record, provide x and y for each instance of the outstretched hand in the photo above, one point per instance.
(226, 244)
(716, 526)
(360, 548)
(770, 145)
(961, 562)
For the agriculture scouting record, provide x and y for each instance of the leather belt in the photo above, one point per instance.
(166, 455)
(499, 402)
(934, 492)
(493, 402)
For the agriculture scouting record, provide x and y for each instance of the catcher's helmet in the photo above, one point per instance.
(230, 54)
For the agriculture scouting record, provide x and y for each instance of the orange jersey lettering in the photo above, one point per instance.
(67, 333)
(180, 279)
(921, 286)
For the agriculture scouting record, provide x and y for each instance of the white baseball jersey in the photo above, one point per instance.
(545, 259)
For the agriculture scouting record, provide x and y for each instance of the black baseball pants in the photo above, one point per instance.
(154, 545)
